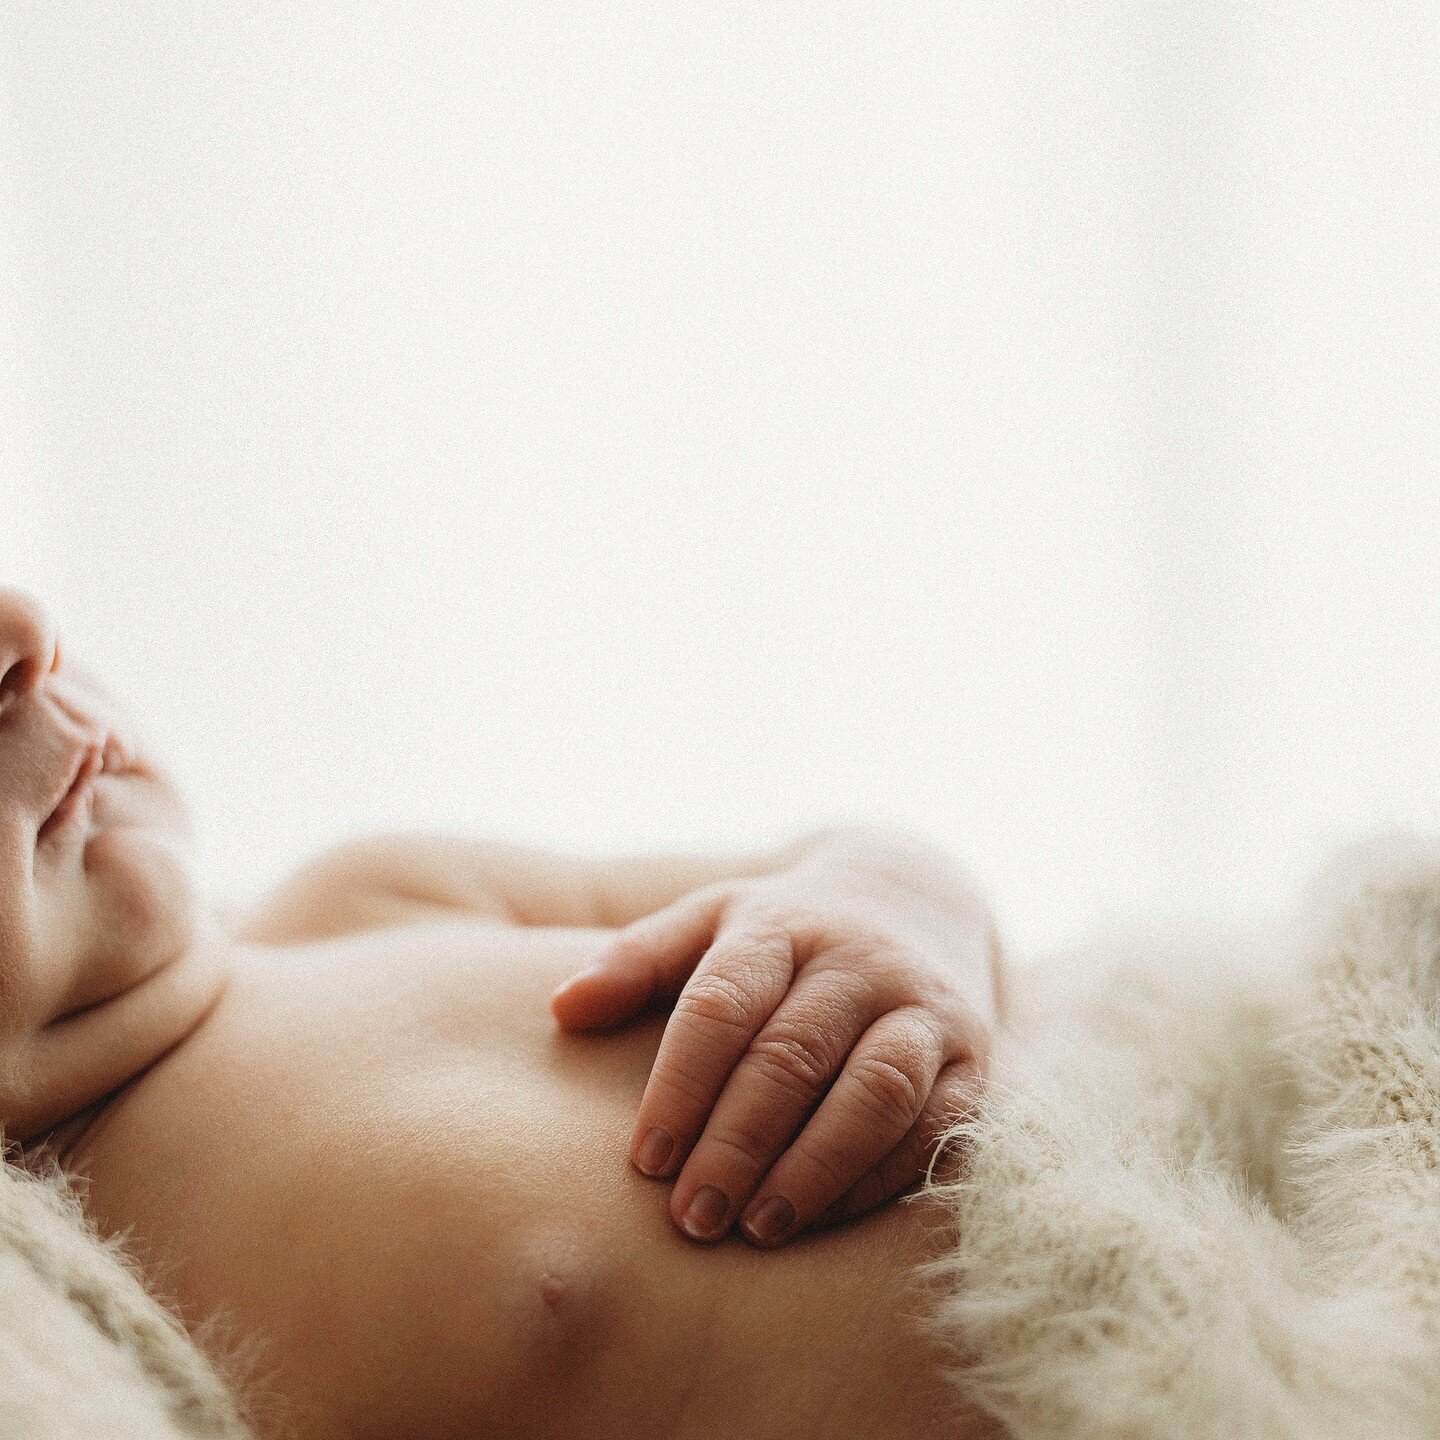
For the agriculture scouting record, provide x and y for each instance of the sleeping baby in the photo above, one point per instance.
(451, 1139)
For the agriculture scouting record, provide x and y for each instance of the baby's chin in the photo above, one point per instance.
(142, 891)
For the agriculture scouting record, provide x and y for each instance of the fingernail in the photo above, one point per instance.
(580, 975)
(653, 1156)
(706, 1218)
(770, 1222)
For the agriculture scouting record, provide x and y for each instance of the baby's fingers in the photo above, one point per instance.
(957, 1088)
(647, 960)
(733, 992)
(872, 1108)
(767, 1099)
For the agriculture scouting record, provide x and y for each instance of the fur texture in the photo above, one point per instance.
(85, 1351)
(1206, 1202)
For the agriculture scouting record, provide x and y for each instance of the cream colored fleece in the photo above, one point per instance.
(1206, 1203)
(85, 1352)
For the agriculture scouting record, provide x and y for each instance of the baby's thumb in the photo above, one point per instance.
(650, 959)
(608, 993)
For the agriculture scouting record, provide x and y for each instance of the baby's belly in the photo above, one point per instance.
(404, 1198)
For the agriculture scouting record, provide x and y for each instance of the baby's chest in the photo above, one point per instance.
(383, 1129)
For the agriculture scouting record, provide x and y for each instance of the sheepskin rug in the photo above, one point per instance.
(1204, 1201)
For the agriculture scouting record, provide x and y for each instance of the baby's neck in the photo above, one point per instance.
(125, 1036)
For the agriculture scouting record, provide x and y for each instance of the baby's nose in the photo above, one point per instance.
(28, 648)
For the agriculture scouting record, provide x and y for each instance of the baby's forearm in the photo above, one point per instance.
(384, 879)
(527, 886)
(628, 888)
(540, 887)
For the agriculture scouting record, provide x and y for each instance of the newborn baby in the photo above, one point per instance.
(361, 1136)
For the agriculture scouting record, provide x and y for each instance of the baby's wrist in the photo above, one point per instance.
(925, 896)
(895, 868)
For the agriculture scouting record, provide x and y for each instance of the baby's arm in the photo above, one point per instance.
(833, 1019)
(854, 974)
(391, 879)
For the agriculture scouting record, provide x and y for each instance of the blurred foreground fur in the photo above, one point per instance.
(85, 1351)
(1206, 1201)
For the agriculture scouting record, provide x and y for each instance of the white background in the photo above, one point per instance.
(645, 425)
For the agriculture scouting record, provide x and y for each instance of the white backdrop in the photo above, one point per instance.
(638, 425)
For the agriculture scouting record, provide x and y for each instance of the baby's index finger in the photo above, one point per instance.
(732, 993)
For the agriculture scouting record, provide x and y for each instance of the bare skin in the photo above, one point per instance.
(378, 1156)
(347, 1128)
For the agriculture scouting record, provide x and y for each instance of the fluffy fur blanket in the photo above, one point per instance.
(1206, 1202)
(85, 1351)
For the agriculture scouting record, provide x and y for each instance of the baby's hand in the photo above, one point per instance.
(832, 1020)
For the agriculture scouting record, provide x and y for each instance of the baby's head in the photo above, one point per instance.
(95, 889)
